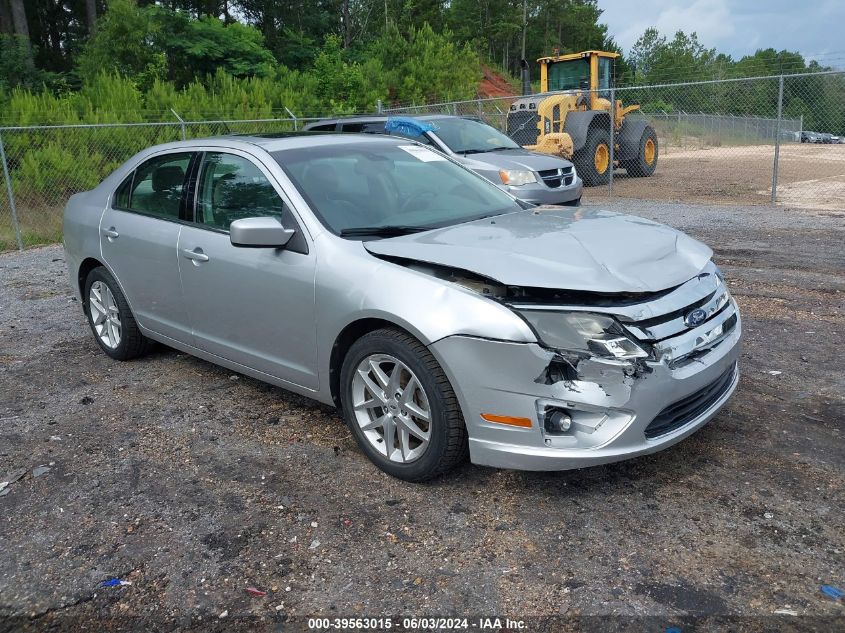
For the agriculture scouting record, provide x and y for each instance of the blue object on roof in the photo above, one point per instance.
(407, 126)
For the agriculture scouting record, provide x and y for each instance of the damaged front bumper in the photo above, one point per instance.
(618, 409)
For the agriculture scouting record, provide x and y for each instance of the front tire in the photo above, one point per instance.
(593, 160)
(400, 406)
(110, 318)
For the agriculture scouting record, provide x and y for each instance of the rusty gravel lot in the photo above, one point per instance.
(194, 484)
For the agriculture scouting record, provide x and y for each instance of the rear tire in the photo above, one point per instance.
(407, 456)
(646, 161)
(593, 160)
(110, 318)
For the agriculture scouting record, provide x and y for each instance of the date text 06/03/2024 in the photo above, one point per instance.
(413, 624)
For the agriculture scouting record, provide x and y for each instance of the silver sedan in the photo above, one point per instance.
(444, 317)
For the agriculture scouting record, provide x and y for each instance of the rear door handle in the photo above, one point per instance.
(111, 233)
(195, 255)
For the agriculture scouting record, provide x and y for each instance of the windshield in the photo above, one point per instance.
(568, 75)
(371, 185)
(464, 135)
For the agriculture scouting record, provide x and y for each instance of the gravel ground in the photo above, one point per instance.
(194, 484)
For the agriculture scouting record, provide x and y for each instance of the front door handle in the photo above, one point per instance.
(195, 255)
(111, 233)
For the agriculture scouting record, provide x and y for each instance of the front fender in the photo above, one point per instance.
(578, 124)
(352, 284)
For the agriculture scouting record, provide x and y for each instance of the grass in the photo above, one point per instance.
(38, 226)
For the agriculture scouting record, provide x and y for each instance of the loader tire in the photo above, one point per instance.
(593, 160)
(646, 161)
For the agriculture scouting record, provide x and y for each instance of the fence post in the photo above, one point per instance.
(295, 120)
(777, 142)
(11, 193)
(379, 107)
(612, 139)
(181, 124)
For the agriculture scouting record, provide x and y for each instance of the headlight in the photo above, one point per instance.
(574, 173)
(515, 177)
(583, 332)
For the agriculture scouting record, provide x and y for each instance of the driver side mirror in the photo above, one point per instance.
(259, 233)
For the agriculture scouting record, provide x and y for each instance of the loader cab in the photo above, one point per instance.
(589, 70)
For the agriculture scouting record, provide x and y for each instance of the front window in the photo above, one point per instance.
(232, 187)
(465, 136)
(569, 75)
(361, 186)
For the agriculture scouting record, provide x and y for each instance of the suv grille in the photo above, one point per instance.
(687, 409)
(554, 178)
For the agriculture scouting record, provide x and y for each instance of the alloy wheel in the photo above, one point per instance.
(105, 315)
(391, 408)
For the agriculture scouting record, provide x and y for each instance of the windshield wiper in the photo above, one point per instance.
(387, 230)
(482, 150)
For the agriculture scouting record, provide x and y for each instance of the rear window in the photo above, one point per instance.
(155, 188)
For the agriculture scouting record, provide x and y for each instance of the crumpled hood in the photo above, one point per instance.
(516, 159)
(556, 247)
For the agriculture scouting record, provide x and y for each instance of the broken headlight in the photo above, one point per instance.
(582, 332)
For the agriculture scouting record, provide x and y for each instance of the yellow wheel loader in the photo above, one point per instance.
(571, 118)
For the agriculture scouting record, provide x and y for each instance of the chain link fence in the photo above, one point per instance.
(44, 165)
(738, 141)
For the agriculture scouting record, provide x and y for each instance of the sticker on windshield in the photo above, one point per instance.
(422, 153)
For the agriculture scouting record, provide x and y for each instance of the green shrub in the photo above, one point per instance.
(50, 174)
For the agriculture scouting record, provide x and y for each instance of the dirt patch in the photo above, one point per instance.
(809, 176)
(494, 84)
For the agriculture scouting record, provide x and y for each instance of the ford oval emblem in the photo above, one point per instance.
(695, 318)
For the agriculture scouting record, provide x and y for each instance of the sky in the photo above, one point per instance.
(814, 28)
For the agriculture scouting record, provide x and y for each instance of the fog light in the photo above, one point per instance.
(557, 422)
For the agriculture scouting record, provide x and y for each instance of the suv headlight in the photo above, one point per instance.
(583, 332)
(515, 177)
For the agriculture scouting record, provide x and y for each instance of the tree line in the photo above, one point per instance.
(321, 56)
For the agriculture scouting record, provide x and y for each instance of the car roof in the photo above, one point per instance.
(383, 117)
(277, 141)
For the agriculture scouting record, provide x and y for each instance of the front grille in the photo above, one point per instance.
(554, 178)
(687, 409)
(662, 323)
(522, 126)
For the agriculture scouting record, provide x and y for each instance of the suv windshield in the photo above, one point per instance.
(383, 189)
(465, 136)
